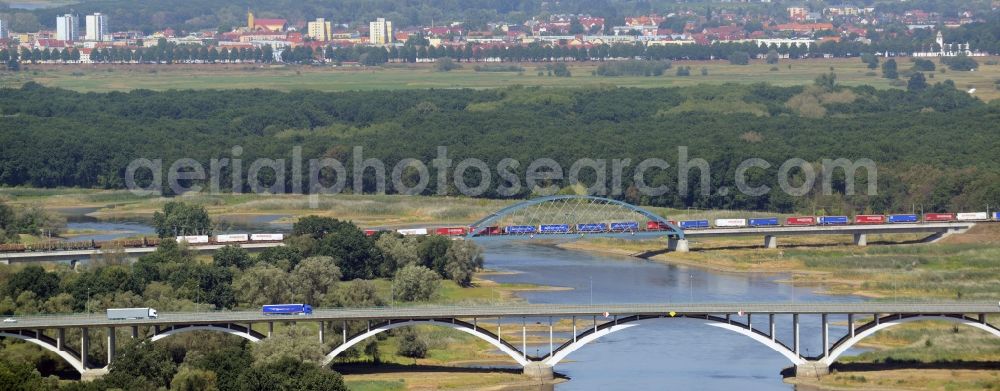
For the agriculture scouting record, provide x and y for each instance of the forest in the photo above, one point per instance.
(934, 146)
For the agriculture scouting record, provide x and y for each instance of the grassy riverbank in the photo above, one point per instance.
(365, 210)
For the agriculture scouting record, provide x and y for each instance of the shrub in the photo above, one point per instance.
(739, 58)
(411, 344)
(632, 68)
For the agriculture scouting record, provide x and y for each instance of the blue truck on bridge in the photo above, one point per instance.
(288, 309)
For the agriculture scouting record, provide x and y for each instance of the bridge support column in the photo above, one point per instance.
(770, 321)
(524, 339)
(61, 340)
(111, 344)
(812, 369)
(795, 334)
(850, 324)
(135, 332)
(770, 241)
(322, 331)
(270, 329)
(678, 245)
(826, 335)
(538, 371)
(860, 239)
(84, 347)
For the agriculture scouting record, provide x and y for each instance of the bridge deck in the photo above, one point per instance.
(443, 312)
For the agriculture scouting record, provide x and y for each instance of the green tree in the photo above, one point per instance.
(961, 62)
(33, 279)
(232, 256)
(263, 284)
(411, 344)
(314, 279)
(739, 58)
(143, 360)
(194, 379)
(917, 82)
(889, 70)
(359, 293)
(462, 260)
(22, 376)
(293, 341)
(561, 70)
(826, 81)
(178, 218)
(445, 64)
(415, 283)
(398, 251)
(773, 57)
(227, 362)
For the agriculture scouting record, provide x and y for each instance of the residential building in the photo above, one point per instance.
(797, 13)
(67, 28)
(319, 30)
(380, 32)
(259, 24)
(97, 27)
(3, 29)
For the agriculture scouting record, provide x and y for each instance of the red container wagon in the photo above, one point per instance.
(939, 217)
(658, 226)
(450, 231)
(869, 219)
(487, 230)
(801, 220)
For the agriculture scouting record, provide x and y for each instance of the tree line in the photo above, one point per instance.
(61, 138)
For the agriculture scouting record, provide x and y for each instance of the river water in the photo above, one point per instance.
(683, 354)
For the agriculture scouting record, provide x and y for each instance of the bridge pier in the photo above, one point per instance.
(539, 371)
(111, 344)
(84, 347)
(770, 241)
(812, 369)
(861, 239)
(678, 245)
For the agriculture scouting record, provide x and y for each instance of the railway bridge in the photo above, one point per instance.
(758, 321)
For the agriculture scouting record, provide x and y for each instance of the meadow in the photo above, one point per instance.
(103, 78)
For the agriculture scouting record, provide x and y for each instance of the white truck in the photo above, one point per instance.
(131, 313)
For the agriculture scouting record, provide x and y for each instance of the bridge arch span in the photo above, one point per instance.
(479, 332)
(609, 327)
(66, 354)
(577, 209)
(237, 330)
(875, 326)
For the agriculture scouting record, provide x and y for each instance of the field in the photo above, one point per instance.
(388, 211)
(100, 78)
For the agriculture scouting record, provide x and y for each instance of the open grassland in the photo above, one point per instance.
(905, 379)
(387, 211)
(101, 78)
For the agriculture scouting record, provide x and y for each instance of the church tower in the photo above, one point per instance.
(940, 42)
(250, 20)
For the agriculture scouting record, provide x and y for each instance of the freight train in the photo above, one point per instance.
(634, 226)
(140, 242)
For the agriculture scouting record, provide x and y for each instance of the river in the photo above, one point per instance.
(683, 354)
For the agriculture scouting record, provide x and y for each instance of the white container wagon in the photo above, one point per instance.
(131, 313)
(730, 223)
